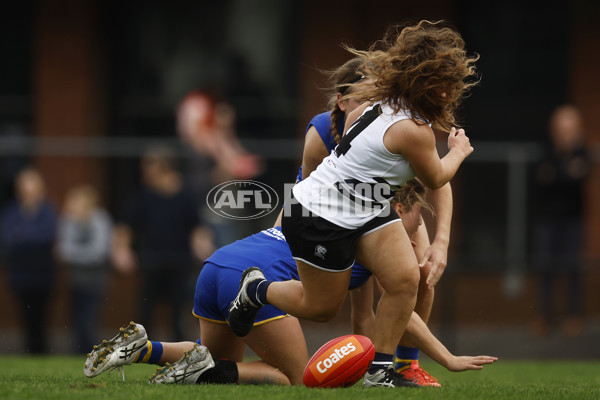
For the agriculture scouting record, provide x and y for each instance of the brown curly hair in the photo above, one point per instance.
(413, 68)
(340, 79)
(412, 193)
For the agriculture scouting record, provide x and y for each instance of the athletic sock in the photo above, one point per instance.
(151, 354)
(404, 356)
(381, 361)
(257, 291)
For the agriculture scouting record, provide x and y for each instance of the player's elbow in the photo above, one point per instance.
(434, 182)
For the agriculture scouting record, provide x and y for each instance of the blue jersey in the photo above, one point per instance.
(218, 282)
(322, 123)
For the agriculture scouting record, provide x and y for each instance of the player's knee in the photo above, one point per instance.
(406, 283)
(413, 280)
(323, 316)
(324, 312)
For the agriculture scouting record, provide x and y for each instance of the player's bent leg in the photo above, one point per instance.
(198, 365)
(221, 341)
(282, 346)
(388, 253)
(173, 351)
(317, 297)
(261, 373)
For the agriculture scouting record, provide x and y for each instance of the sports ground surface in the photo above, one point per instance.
(61, 377)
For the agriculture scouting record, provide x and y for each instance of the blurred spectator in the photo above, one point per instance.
(28, 231)
(83, 245)
(14, 140)
(163, 220)
(207, 127)
(558, 227)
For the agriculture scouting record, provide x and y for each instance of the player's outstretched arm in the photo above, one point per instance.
(465, 363)
(421, 337)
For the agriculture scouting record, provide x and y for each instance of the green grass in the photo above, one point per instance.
(62, 378)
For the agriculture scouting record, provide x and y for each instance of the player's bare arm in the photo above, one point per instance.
(416, 143)
(314, 152)
(437, 252)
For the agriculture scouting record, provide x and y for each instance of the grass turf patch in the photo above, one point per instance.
(61, 377)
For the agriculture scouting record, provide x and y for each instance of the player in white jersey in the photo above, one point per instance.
(323, 133)
(421, 75)
(354, 183)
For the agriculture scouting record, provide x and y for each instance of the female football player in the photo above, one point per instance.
(323, 133)
(341, 212)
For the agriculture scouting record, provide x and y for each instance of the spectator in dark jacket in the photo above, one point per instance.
(162, 223)
(558, 228)
(28, 231)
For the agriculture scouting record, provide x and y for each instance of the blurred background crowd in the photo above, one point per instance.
(117, 118)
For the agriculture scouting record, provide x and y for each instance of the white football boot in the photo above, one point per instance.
(187, 370)
(121, 350)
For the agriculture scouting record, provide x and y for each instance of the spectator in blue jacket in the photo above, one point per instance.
(28, 228)
(158, 234)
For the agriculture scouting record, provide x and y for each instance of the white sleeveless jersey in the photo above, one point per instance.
(356, 181)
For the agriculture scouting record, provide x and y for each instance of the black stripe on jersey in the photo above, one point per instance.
(357, 127)
(370, 195)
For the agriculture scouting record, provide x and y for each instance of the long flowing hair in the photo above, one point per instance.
(412, 70)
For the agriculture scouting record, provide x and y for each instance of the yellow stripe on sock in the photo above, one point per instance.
(148, 353)
(403, 360)
(138, 356)
(406, 361)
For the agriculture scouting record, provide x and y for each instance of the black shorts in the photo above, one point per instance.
(323, 244)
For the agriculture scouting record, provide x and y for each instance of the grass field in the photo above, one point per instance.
(62, 378)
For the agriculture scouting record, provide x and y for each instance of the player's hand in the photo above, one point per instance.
(437, 256)
(465, 363)
(458, 141)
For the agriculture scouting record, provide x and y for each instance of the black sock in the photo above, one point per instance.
(381, 361)
(223, 373)
(257, 291)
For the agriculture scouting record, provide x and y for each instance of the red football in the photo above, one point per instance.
(341, 362)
